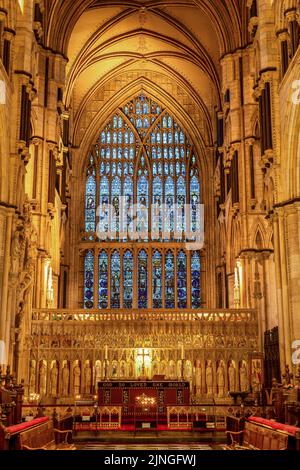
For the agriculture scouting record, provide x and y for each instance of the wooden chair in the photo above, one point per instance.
(257, 438)
(43, 438)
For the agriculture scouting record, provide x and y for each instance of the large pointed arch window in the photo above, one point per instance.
(140, 175)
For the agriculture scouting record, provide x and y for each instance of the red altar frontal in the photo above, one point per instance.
(127, 394)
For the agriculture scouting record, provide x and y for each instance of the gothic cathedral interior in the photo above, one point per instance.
(150, 205)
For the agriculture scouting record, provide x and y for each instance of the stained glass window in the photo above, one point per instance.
(142, 279)
(157, 195)
(115, 194)
(195, 277)
(90, 197)
(169, 280)
(115, 280)
(194, 197)
(142, 205)
(157, 280)
(89, 280)
(194, 201)
(141, 157)
(170, 201)
(181, 280)
(128, 280)
(104, 222)
(180, 213)
(103, 280)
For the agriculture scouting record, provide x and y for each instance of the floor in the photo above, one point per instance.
(148, 447)
(149, 441)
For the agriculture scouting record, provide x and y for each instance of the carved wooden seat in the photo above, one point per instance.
(37, 435)
(256, 437)
(43, 438)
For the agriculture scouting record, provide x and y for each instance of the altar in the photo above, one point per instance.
(143, 398)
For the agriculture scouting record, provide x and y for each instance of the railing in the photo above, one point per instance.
(184, 315)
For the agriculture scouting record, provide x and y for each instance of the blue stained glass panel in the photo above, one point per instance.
(194, 202)
(195, 278)
(170, 200)
(128, 212)
(181, 201)
(90, 204)
(103, 210)
(103, 280)
(181, 280)
(146, 108)
(128, 280)
(157, 198)
(142, 279)
(116, 193)
(115, 280)
(157, 280)
(89, 280)
(169, 281)
(142, 212)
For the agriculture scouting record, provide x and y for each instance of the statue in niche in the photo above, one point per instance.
(244, 377)
(179, 369)
(198, 378)
(54, 379)
(188, 370)
(131, 368)
(32, 377)
(65, 380)
(76, 379)
(163, 368)
(209, 378)
(114, 370)
(122, 370)
(154, 368)
(221, 379)
(87, 378)
(16, 247)
(231, 377)
(98, 374)
(42, 379)
(172, 371)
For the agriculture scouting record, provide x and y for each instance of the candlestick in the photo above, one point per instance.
(182, 352)
(106, 352)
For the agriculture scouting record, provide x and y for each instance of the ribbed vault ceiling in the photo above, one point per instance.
(182, 40)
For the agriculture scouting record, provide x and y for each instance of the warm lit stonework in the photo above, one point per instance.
(150, 214)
